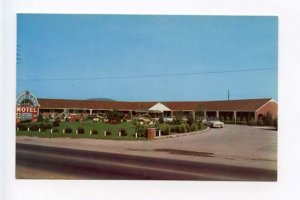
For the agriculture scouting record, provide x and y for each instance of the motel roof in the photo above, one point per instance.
(225, 105)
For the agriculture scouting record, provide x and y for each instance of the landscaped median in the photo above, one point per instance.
(99, 130)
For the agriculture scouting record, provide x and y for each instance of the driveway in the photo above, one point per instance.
(233, 145)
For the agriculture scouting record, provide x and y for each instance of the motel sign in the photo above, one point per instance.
(27, 107)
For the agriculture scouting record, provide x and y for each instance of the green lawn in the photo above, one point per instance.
(99, 126)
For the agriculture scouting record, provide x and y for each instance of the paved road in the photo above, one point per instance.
(233, 145)
(100, 165)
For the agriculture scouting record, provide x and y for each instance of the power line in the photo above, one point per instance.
(147, 76)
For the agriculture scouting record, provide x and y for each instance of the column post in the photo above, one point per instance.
(193, 114)
(234, 116)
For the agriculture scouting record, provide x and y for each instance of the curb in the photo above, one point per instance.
(181, 134)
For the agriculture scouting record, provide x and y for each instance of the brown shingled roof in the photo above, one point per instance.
(88, 104)
(238, 105)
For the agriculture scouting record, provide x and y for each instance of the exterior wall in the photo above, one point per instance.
(271, 107)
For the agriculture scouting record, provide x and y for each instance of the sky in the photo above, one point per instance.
(147, 57)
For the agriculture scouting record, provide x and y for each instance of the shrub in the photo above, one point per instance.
(200, 125)
(275, 123)
(34, 127)
(182, 128)
(174, 129)
(251, 122)
(55, 130)
(161, 120)
(115, 116)
(194, 127)
(80, 130)
(42, 127)
(190, 119)
(48, 126)
(222, 119)
(188, 128)
(56, 123)
(68, 130)
(108, 133)
(238, 119)
(260, 122)
(40, 118)
(228, 119)
(165, 129)
(94, 132)
(141, 130)
(268, 119)
(123, 132)
(22, 127)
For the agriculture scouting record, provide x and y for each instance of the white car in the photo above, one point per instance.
(214, 123)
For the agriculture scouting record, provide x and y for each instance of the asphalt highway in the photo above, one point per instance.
(113, 166)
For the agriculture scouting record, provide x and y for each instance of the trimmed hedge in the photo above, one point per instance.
(80, 130)
(123, 132)
(68, 130)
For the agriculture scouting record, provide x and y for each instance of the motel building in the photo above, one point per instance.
(29, 107)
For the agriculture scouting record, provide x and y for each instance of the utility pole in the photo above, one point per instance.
(228, 95)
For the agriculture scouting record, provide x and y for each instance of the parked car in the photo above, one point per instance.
(213, 123)
(168, 119)
(145, 118)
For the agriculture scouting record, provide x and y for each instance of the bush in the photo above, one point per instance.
(243, 121)
(22, 127)
(56, 123)
(123, 132)
(80, 130)
(94, 132)
(161, 120)
(194, 127)
(108, 133)
(40, 118)
(200, 125)
(174, 129)
(275, 123)
(190, 119)
(48, 126)
(165, 129)
(141, 130)
(42, 127)
(238, 119)
(34, 127)
(268, 119)
(260, 122)
(228, 119)
(55, 130)
(251, 122)
(188, 128)
(182, 128)
(115, 116)
(68, 130)
(222, 119)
